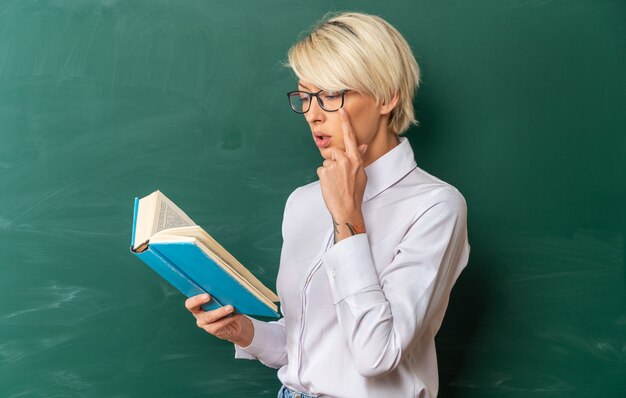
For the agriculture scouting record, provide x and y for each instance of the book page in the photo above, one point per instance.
(168, 215)
(156, 212)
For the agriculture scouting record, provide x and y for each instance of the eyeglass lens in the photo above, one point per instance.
(327, 100)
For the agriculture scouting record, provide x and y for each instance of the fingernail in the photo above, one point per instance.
(205, 296)
(229, 308)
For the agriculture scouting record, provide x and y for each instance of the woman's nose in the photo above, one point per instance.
(315, 113)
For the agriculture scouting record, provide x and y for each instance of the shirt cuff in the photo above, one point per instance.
(240, 353)
(350, 267)
(261, 341)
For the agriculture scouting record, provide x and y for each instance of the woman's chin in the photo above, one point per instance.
(326, 153)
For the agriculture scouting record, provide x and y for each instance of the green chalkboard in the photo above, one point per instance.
(522, 107)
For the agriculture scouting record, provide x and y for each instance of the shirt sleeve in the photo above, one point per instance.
(382, 314)
(268, 344)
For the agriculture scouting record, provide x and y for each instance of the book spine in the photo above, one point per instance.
(132, 238)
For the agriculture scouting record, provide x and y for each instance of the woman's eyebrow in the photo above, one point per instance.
(304, 86)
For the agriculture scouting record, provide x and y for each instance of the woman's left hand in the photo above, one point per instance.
(343, 180)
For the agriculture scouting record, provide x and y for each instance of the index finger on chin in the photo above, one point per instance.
(335, 153)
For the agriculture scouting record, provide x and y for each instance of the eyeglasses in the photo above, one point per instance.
(330, 101)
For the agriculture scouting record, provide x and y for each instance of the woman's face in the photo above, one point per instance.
(365, 117)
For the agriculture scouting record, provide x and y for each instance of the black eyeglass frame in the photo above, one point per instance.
(319, 100)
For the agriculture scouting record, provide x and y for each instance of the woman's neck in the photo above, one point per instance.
(383, 142)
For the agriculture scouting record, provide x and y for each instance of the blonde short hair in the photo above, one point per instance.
(364, 53)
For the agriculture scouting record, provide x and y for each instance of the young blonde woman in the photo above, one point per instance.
(371, 250)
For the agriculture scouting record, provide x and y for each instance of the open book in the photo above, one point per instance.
(185, 255)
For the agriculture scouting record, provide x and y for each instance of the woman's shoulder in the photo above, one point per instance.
(307, 192)
(425, 190)
(305, 207)
(424, 182)
(307, 196)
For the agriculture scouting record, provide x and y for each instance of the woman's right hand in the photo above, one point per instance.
(237, 328)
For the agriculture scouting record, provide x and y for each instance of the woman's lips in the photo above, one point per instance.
(322, 141)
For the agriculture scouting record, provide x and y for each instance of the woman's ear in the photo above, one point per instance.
(387, 107)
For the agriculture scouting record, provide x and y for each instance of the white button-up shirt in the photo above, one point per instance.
(360, 316)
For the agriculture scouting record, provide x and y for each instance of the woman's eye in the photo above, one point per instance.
(332, 95)
(304, 99)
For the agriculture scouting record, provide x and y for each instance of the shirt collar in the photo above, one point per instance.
(389, 168)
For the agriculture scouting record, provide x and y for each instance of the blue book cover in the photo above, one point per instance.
(193, 269)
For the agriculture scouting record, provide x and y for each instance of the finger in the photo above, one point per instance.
(219, 328)
(193, 303)
(362, 149)
(349, 137)
(214, 315)
(336, 154)
(327, 162)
